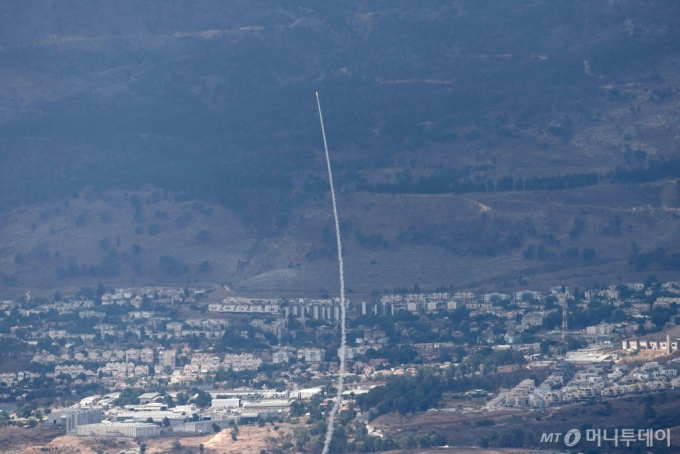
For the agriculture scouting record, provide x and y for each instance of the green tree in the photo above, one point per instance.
(128, 396)
(167, 400)
(203, 399)
(171, 265)
(182, 398)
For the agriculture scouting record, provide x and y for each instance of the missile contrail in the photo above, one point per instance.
(343, 339)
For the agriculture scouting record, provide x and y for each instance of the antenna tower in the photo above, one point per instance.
(565, 325)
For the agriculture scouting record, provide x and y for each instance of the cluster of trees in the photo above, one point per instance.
(409, 394)
(543, 253)
(568, 181)
(172, 266)
(462, 181)
(404, 394)
(372, 241)
(642, 260)
(394, 354)
(109, 266)
(313, 407)
(349, 437)
(235, 379)
(129, 396)
(656, 170)
(459, 181)
(202, 399)
(233, 338)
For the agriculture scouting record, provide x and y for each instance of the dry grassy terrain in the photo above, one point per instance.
(462, 430)
(251, 439)
(216, 103)
(15, 439)
(430, 240)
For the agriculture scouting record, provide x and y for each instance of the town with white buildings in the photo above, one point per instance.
(143, 362)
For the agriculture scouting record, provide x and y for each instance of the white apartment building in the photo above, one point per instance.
(245, 361)
(147, 355)
(131, 355)
(280, 357)
(174, 328)
(204, 362)
(602, 328)
(312, 355)
(166, 358)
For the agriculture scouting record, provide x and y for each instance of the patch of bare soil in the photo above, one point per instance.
(251, 439)
(69, 444)
(14, 439)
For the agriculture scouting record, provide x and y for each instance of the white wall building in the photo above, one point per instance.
(166, 358)
(129, 430)
(72, 418)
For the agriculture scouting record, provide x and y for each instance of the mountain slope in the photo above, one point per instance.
(521, 103)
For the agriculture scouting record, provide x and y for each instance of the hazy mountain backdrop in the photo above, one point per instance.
(482, 142)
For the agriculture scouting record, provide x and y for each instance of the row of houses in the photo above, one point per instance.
(666, 345)
(10, 378)
(146, 355)
(564, 385)
(245, 308)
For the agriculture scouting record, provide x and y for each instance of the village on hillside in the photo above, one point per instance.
(157, 361)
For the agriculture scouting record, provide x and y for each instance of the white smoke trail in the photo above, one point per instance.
(343, 339)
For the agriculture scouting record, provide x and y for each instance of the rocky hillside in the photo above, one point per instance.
(505, 240)
(474, 142)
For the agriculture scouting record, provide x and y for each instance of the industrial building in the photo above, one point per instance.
(116, 429)
(233, 402)
(71, 418)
